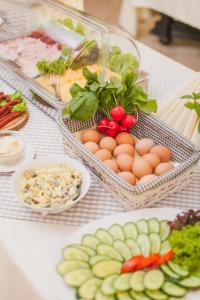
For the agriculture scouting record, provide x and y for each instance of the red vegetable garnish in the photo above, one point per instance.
(103, 125)
(123, 129)
(142, 262)
(36, 34)
(113, 125)
(117, 113)
(131, 264)
(111, 133)
(189, 217)
(59, 46)
(128, 121)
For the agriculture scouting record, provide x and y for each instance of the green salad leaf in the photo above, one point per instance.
(67, 22)
(104, 95)
(121, 62)
(186, 245)
(2, 103)
(56, 67)
(17, 95)
(82, 107)
(21, 107)
(193, 105)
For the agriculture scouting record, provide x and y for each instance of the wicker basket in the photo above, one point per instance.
(140, 195)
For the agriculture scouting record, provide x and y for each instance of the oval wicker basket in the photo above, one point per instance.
(140, 195)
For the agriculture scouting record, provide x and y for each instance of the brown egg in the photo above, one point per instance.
(163, 168)
(124, 162)
(148, 178)
(124, 148)
(143, 146)
(163, 152)
(152, 158)
(91, 135)
(141, 167)
(128, 176)
(92, 147)
(103, 154)
(125, 138)
(108, 143)
(111, 164)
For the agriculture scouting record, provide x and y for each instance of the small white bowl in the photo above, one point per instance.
(43, 162)
(11, 158)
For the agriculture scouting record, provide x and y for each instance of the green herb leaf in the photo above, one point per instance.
(82, 107)
(2, 103)
(21, 107)
(79, 28)
(199, 127)
(75, 89)
(89, 76)
(16, 95)
(197, 108)
(187, 97)
(189, 105)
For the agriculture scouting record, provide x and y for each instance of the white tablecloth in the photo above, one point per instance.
(182, 10)
(26, 247)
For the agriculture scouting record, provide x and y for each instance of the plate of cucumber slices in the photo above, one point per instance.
(126, 256)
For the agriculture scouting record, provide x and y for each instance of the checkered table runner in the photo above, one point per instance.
(43, 134)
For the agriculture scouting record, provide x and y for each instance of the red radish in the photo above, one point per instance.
(111, 133)
(123, 129)
(117, 113)
(103, 125)
(113, 125)
(128, 121)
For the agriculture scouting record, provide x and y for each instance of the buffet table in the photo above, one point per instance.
(26, 247)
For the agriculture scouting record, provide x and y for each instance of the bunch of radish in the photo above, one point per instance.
(119, 122)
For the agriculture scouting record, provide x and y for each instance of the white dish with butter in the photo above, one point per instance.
(14, 150)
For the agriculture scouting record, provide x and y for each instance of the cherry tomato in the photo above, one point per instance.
(117, 113)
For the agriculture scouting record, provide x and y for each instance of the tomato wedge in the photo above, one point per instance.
(149, 261)
(163, 259)
(131, 264)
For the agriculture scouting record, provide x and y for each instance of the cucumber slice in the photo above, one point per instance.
(107, 285)
(107, 250)
(139, 295)
(165, 247)
(156, 295)
(130, 230)
(164, 230)
(155, 242)
(154, 225)
(144, 243)
(190, 282)
(66, 266)
(73, 253)
(101, 296)
(123, 249)
(117, 232)
(154, 279)
(95, 259)
(122, 282)
(89, 288)
(90, 240)
(77, 277)
(104, 236)
(88, 250)
(169, 272)
(178, 269)
(133, 246)
(142, 226)
(106, 268)
(137, 281)
(172, 289)
(123, 296)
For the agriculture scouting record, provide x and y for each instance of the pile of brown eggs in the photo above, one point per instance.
(135, 162)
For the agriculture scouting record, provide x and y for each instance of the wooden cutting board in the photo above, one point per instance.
(17, 123)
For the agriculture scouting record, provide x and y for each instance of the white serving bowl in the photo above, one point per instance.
(43, 162)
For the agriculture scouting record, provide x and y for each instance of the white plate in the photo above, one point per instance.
(65, 292)
(27, 156)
